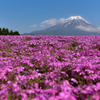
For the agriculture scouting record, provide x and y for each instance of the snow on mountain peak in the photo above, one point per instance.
(73, 21)
(75, 17)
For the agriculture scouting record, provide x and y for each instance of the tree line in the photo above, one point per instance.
(4, 31)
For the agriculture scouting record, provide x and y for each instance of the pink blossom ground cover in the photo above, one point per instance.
(49, 67)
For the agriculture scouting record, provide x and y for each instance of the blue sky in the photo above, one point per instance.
(29, 15)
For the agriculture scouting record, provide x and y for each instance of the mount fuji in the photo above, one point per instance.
(69, 27)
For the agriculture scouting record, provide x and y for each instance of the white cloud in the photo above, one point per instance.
(62, 20)
(52, 21)
(33, 26)
(89, 28)
(42, 25)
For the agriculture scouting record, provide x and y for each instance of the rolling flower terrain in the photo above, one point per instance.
(49, 67)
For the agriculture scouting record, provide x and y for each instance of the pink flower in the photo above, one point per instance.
(84, 91)
(72, 79)
(36, 85)
(14, 85)
(52, 98)
(37, 98)
(31, 91)
(96, 97)
(66, 96)
(9, 82)
(24, 96)
(98, 86)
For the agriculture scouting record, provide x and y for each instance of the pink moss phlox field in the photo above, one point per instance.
(49, 67)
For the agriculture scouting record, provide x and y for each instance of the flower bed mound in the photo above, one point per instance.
(50, 67)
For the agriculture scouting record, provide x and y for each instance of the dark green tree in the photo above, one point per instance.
(4, 31)
(11, 33)
(0, 31)
(16, 33)
(7, 31)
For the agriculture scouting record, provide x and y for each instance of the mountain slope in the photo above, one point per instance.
(67, 27)
(71, 22)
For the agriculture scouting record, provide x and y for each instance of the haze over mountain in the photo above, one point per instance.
(74, 25)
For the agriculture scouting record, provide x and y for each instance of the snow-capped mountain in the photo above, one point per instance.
(71, 22)
(67, 27)
(74, 21)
